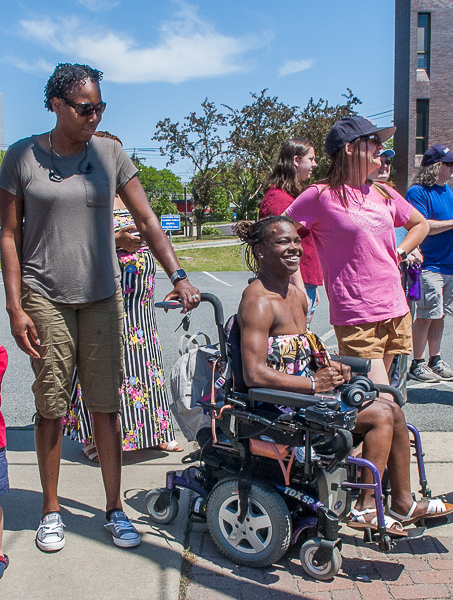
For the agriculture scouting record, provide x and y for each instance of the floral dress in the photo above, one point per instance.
(145, 417)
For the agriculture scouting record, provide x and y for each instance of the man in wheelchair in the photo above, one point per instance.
(276, 347)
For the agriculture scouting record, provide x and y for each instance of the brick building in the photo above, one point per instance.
(423, 82)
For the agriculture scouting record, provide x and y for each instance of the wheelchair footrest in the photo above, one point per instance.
(412, 533)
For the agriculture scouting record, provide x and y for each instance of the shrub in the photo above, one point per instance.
(209, 230)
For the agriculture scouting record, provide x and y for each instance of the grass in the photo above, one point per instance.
(225, 258)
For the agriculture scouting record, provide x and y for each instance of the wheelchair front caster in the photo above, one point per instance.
(321, 572)
(386, 543)
(162, 506)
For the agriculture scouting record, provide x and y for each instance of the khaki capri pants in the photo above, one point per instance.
(88, 335)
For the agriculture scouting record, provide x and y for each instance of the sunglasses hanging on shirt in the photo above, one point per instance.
(54, 173)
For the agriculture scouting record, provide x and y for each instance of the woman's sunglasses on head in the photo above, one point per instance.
(85, 109)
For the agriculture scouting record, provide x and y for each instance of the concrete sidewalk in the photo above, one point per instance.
(89, 566)
(421, 569)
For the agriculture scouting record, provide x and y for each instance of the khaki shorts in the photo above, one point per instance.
(87, 335)
(373, 340)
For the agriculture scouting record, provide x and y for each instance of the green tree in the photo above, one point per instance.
(315, 121)
(164, 206)
(2, 154)
(198, 140)
(257, 133)
(160, 183)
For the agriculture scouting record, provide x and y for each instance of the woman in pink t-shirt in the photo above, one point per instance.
(352, 223)
(294, 166)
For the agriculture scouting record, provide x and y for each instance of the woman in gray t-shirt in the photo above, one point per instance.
(61, 279)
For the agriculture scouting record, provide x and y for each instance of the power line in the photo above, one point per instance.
(386, 112)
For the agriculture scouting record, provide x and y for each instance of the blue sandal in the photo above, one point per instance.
(4, 562)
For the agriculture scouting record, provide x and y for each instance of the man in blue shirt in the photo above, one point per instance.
(434, 199)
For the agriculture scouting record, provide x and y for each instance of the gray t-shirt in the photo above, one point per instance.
(68, 248)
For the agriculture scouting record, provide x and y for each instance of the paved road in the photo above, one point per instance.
(429, 407)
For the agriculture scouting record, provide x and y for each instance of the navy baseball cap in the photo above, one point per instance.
(435, 154)
(349, 129)
(389, 153)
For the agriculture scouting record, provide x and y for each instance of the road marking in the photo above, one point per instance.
(327, 335)
(217, 279)
(423, 386)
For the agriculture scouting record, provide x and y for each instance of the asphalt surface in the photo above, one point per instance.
(429, 406)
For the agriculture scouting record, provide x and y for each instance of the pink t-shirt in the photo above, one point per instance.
(357, 251)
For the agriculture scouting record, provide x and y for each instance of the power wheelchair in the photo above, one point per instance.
(275, 469)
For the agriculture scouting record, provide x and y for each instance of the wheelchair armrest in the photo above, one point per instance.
(389, 389)
(279, 397)
(358, 365)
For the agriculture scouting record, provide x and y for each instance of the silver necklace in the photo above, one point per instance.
(52, 151)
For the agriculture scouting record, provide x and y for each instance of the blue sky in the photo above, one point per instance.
(161, 58)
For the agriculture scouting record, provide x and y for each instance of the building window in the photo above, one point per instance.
(423, 41)
(422, 127)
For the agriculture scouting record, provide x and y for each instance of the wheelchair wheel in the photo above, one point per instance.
(265, 534)
(168, 515)
(321, 572)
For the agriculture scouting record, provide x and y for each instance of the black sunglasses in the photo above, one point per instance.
(85, 109)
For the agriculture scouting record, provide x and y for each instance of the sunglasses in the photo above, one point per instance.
(387, 161)
(85, 109)
(372, 138)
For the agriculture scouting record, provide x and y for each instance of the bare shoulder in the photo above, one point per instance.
(256, 305)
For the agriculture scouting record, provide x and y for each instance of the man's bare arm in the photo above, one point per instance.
(436, 227)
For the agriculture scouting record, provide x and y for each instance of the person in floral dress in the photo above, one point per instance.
(145, 419)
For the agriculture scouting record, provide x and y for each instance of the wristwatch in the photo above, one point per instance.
(402, 253)
(177, 275)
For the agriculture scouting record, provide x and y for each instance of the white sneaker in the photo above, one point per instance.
(50, 534)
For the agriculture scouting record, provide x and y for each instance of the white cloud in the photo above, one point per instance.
(295, 66)
(189, 48)
(39, 67)
(98, 5)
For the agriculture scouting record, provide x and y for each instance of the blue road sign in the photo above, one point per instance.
(170, 222)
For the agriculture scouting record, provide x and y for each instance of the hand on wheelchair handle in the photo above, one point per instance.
(328, 378)
(343, 369)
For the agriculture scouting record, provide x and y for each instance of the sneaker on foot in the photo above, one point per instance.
(50, 534)
(422, 372)
(442, 369)
(123, 532)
